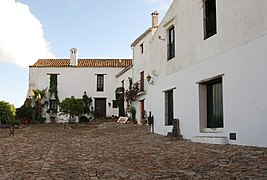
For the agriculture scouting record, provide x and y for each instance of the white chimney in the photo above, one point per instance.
(73, 56)
(155, 19)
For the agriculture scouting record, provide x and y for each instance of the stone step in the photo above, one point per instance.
(210, 139)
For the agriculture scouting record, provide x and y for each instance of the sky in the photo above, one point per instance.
(34, 29)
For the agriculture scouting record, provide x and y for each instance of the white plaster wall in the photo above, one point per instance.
(238, 22)
(238, 51)
(125, 77)
(244, 93)
(73, 81)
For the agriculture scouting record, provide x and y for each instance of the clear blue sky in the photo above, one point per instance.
(33, 29)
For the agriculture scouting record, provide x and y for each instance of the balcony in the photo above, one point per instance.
(135, 89)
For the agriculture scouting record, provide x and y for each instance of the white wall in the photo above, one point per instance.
(245, 95)
(73, 81)
(238, 51)
(125, 77)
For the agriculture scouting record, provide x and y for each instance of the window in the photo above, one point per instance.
(114, 104)
(209, 18)
(142, 48)
(215, 104)
(142, 76)
(211, 104)
(100, 82)
(169, 107)
(53, 99)
(171, 43)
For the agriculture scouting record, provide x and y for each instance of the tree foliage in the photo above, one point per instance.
(87, 101)
(72, 106)
(7, 112)
(38, 95)
(53, 85)
(26, 112)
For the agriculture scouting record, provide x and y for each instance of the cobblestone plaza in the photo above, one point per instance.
(108, 150)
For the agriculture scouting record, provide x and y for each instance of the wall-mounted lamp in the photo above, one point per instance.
(149, 79)
(160, 38)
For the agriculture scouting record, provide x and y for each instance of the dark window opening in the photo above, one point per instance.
(142, 77)
(100, 82)
(114, 104)
(142, 48)
(209, 18)
(215, 104)
(169, 107)
(171, 43)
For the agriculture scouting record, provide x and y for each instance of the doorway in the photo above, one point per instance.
(142, 110)
(169, 107)
(100, 107)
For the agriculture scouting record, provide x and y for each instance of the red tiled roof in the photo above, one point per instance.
(83, 63)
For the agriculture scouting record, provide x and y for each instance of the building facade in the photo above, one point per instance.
(96, 77)
(206, 61)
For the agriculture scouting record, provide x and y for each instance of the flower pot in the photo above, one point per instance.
(143, 122)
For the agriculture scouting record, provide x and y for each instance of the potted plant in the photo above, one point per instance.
(132, 110)
(144, 116)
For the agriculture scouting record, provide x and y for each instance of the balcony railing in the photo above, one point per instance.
(134, 89)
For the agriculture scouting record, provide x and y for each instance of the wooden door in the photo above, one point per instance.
(100, 107)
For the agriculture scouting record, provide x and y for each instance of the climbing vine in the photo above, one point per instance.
(53, 85)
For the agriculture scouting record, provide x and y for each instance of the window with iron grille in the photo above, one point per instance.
(171, 43)
(209, 18)
(100, 82)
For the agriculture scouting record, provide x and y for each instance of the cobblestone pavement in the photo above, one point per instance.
(107, 150)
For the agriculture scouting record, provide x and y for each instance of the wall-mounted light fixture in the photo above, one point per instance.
(149, 79)
(160, 38)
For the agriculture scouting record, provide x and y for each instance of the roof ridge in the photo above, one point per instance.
(83, 63)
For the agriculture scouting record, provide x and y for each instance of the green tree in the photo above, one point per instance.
(87, 101)
(38, 95)
(7, 112)
(72, 106)
(27, 112)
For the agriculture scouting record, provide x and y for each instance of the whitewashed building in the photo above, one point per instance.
(96, 77)
(207, 63)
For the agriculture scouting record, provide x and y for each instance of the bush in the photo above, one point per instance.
(72, 106)
(27, 113)
(7, 112)
(83, 119)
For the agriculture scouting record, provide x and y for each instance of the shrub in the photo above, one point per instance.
(72, 106)
(7, 112)
(83, 119)
(26, 112)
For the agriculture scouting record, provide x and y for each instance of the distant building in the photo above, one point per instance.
(205, 64)
(96, 77)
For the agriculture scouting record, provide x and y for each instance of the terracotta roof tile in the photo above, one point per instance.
(83, 63)
(52, 63)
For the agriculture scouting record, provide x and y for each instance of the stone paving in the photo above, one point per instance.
(107, 150)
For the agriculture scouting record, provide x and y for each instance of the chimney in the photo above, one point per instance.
(155, 18)
(73, 56)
